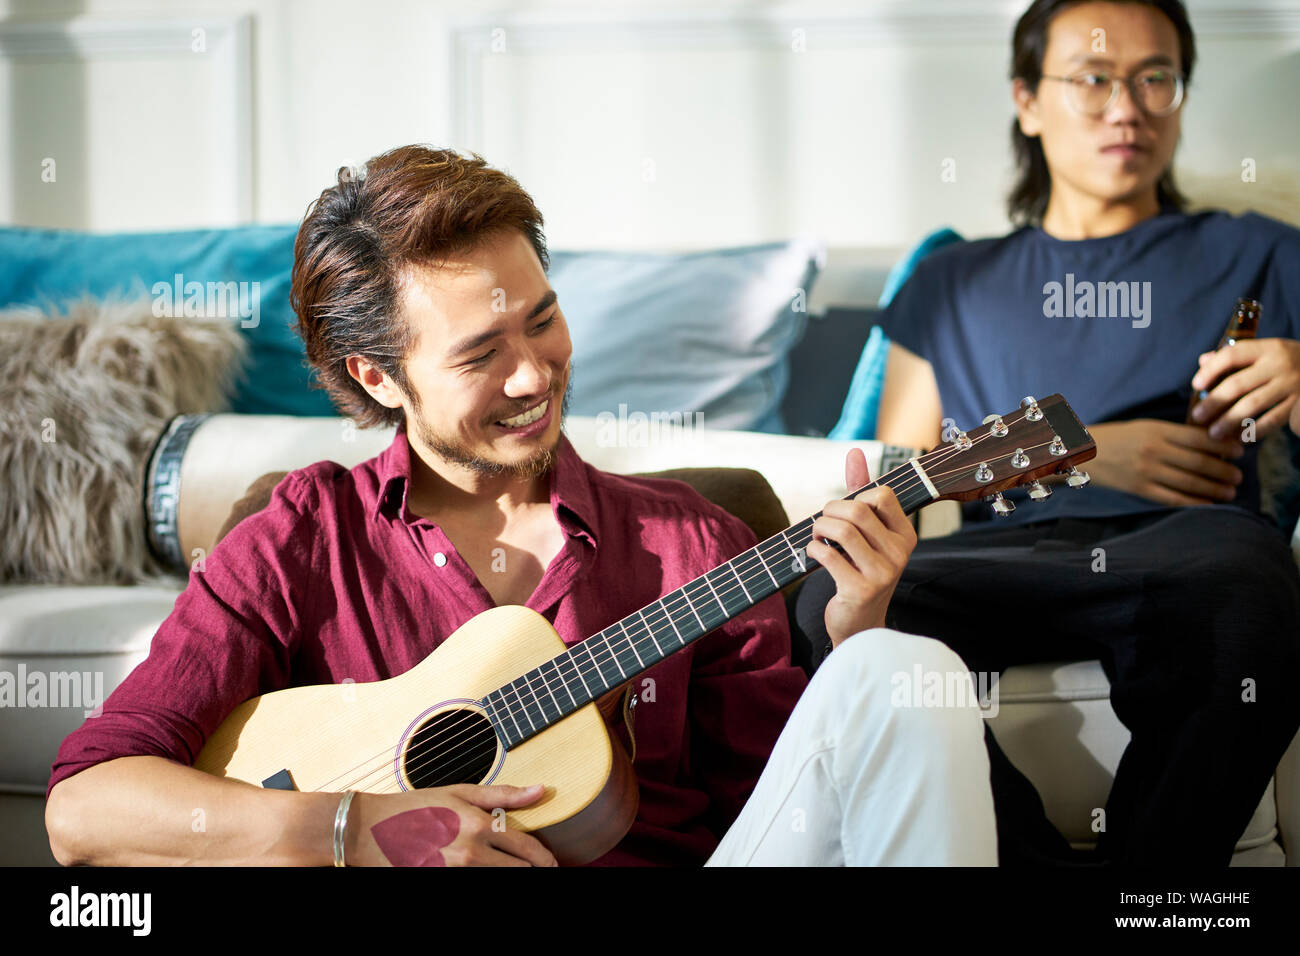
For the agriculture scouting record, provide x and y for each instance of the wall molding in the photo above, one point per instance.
(916, 22)
(228, 50)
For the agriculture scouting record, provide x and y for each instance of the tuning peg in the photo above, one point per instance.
(1077, 478)
(1020, 459)
(1057, 446)
(960, 440)
(1039, 491)
(997, 427)
(1001, 507)
(983, 472)
(1032, 412)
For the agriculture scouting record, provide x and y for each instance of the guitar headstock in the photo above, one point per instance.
(1039, 439)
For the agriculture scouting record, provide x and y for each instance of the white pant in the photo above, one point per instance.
(859, 777)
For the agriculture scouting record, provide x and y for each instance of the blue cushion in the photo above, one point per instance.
(47, 267)
(704, 332)
(861, 406)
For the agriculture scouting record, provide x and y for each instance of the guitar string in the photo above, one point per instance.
(612, 647)
(489, 741)
(632, 642)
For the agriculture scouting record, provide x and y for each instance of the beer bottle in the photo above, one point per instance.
(1243, 325)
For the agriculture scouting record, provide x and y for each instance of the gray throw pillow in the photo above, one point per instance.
(694, 338)
(82, 398)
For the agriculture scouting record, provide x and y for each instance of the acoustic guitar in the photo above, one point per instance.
(504, 701)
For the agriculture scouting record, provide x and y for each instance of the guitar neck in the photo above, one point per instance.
(612, 657)
(1036, 440)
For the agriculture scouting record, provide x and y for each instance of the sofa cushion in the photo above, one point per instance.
(44, 265)
(62, 650)
(721, 321)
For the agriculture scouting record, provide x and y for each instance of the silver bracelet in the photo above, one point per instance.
(341, 826)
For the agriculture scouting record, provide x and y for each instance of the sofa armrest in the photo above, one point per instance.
(216, 460)
(204, 464)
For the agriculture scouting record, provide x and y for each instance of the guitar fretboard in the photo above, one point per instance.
(592, 668)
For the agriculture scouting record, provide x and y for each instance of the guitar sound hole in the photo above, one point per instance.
(455, 746)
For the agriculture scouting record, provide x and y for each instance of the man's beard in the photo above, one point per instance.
(453, 452)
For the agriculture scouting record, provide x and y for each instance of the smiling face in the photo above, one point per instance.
(489, 371)
(1118, 156)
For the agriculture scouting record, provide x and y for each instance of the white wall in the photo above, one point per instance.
(666, 125)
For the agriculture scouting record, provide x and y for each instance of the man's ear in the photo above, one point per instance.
(375, 381)
(1026, 108)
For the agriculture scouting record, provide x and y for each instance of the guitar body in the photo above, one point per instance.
(423, 729)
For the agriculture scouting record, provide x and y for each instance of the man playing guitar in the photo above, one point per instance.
(421, 290)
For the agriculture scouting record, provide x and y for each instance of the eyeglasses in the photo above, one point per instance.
(1156, 91)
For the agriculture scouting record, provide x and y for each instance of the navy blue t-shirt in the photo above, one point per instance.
(1028, 314)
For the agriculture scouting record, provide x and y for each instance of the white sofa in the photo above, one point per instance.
(1054, 720)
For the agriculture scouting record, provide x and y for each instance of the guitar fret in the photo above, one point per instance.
(503, 709)
(595, 666)
(492, 714)
(578, 668)
(546, 685)
(595, 663)
(805, 536)
(559, 669)
(798, 556)
(613, 652)
(741, 580)
(550, 694)
(692, 607)
(511, 710)
(529, 684)
(725, 612)
(628, 634)
(759, 551)
(669, 615)
(703, 597)
(641, 614)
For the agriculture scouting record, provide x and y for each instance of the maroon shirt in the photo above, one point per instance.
(337, 579)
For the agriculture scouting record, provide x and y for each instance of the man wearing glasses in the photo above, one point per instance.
(1112, 294)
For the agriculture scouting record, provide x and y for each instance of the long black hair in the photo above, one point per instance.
(1028, 199)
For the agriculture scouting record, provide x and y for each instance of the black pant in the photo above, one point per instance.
(1196, 621)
